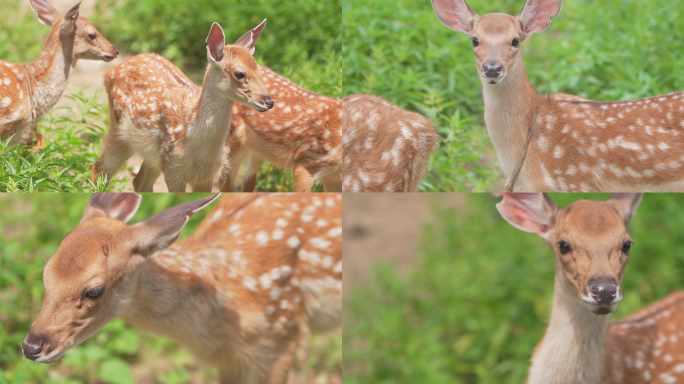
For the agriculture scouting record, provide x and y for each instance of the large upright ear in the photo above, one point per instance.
(455, 14)
(118, 206)
(161, 230)
(530, 212)
(46, 13)
(215, 43)
(625, 204)
(537, 14)
(250, 38)
(69, 20)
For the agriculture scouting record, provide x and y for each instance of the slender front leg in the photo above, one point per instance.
(332, 184)
(174, 179)
(281, 365)
(231, 169)
(303, 179)
(114, 155)
(250, 180)
(147, 175)
(231, 374)
(202, 186)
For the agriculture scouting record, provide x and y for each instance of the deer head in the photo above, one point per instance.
(93, 275)
(240, 78)
(89, 44)
(497, 37)
(589, 238)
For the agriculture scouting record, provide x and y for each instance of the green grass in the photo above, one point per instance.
(302, 41)
(603, 50)
(31, 230)
(479, 298)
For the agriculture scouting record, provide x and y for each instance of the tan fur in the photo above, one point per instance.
(302, 133)
(386, 148)
(177, 127)
(242, 292)
(28, 91)
(577, 145)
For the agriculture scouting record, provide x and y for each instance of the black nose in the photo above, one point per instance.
(32, 351)
(269, 102)
(117, 51)
(492, 68)
(604, 294)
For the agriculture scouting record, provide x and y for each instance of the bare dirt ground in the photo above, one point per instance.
(386, 227)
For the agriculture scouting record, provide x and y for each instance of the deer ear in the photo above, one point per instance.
(530, 212)
(162, 230)
(455, 14)
(625, 204)
(118, 206)
(215, 43)
(46, 13)
(250, 38)
(537, 14)
(69, 20)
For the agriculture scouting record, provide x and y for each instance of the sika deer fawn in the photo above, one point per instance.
(303, 133)
(177, 127)
(28, 91)
(242, 292)
(592, 247)
(386, 148)
(560, 143)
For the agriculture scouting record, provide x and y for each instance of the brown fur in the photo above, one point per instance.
(259, 274)
(301, 133)
(386, 148)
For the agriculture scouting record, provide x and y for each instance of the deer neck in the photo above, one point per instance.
(49, 73)
(509, 111)
(572, 349)
(214, 112)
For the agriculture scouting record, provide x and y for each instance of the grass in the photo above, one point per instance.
(302, 41)
(31, 230)
(603, 50)
(479, 299)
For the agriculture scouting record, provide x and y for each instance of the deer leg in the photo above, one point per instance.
(250, 181)
(331, 184)
(174, 179)
(231, 169)
(281, 365)
(147, 175)
(40, 142)
(303, 179)
(114, 155)
(202, 186)
(232, 374)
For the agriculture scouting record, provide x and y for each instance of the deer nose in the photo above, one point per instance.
(116, 50)
(492, 68)
(32, 351)
(269, 102)
(604, 293)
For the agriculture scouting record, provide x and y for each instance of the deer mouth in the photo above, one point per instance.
(258, 107)
(601, 308)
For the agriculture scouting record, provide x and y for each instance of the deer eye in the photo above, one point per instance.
(476, 41)
(515, 42)
(564, 247)
(93, 293)
(627, 246)
(239, 75)
(92, 36)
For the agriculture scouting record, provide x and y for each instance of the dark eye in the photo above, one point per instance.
(627, 246)
(92, 36)
(476, 42)
(93, 293)
(239, 75)
(564, 247)
(515, 42)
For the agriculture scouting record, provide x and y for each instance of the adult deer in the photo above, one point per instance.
(176, 126)
(559, 143)
(302, 133)
(386, 148)
(242, 292)
(28, 91)
(592, 247)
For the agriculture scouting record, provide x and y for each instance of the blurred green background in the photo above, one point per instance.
(603, 50)
(302, 41)
(477, 301)
(31, 229)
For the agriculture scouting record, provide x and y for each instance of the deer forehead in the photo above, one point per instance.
(590, 223)
(236, 55)
(496, 27)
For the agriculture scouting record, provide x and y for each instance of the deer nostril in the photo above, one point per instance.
(269, 102)
(492, 68)
(604, 293)
(32, 351)
(116, 50)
